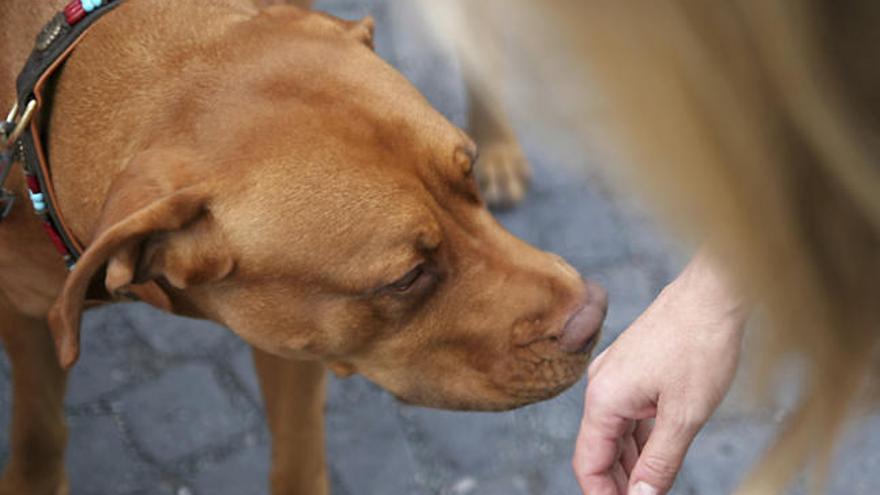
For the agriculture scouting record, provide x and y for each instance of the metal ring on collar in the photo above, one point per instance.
(22, 123)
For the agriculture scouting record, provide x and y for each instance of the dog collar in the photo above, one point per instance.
(22, 134)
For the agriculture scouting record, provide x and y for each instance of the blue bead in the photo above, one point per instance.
(39, 201)
(88, 5)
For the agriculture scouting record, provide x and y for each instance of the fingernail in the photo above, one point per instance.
(642, 488)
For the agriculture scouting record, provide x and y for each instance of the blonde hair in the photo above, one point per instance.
(756, 124)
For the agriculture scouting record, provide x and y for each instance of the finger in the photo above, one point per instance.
(620, 477)
(629, 454)
(663, 455)
(598, 482)
(643, 432)
(598, 443)
(601, 485)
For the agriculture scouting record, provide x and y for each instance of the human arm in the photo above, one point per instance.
(653, 389)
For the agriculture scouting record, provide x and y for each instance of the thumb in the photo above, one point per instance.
(661, 459)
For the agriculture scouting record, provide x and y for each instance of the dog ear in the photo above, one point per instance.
(191, 255)
(154, 224)
(363, 31)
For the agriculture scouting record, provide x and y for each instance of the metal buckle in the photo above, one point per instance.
(14, 125)
(11, 130)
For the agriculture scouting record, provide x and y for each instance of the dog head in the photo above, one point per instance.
(319, 207)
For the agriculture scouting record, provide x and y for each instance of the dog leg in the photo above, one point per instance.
(293, 394)
(503, 171)
(38, 431)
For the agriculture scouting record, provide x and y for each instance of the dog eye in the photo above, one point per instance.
(409, 280)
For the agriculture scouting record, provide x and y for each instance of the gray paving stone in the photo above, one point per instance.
(174, 335)
(559, 477)
(182, 412)
(110, 357)
(722, 454)
(242, 363)
(858, 466)
(555, 421)
(4, 363)
(367, 447)
(630, 290)
(244, 473)
(462, 443)
(513, 484)
(594, 239)
(99, 461)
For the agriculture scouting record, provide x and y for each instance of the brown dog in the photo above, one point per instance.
(271, 173)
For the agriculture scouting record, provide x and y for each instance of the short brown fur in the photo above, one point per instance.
(271, 173)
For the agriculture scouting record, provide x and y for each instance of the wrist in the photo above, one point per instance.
(703, 290)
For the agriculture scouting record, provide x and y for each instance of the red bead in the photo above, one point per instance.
(33, 183)
(56, 239)
(74, 12)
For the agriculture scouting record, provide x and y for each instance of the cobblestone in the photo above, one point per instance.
(164, 405)
(176, 414)
(104, 463)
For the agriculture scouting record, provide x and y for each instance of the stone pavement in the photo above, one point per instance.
(161, 405)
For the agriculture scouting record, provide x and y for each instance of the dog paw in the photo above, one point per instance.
(503, 173)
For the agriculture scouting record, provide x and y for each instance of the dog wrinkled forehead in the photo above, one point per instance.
(342, 212)
(316, 69)
(339, 146)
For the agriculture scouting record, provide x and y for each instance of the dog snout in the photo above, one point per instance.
(581, 331)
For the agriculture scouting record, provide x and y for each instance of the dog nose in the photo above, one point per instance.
(582, 329)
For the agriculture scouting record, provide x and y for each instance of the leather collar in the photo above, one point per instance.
(23, 134)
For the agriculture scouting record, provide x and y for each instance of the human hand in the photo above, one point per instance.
(653, 389)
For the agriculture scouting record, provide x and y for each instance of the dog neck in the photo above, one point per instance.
(21, 21)
(116, 97)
